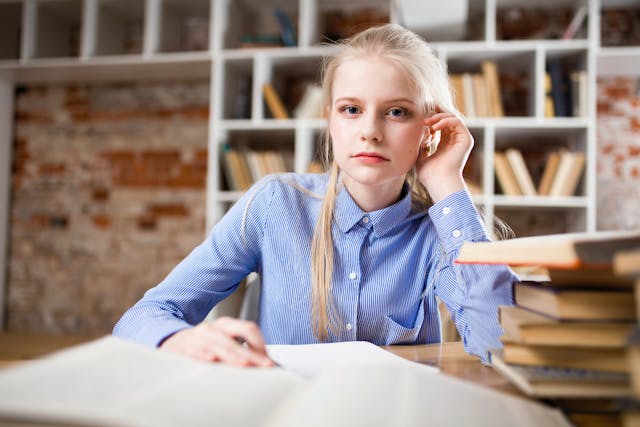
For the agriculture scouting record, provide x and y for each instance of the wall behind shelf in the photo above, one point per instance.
(108, 196)
(618, 136)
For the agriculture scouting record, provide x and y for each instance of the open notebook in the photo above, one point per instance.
(111, 382)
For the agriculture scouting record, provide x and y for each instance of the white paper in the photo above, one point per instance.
(309, 360)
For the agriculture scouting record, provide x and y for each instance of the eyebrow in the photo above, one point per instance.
(386, 101)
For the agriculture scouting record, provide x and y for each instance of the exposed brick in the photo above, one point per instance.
(168, 209)
(100, 194)
(101, 221)
(147, 222)
(94, 230)
(52, 168)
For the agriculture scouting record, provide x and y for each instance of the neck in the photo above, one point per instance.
(374, 197)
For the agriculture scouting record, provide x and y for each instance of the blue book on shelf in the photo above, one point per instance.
(286, 28)
(560, 91)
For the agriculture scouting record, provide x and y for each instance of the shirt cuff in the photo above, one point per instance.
(456, 220)
(154, 335)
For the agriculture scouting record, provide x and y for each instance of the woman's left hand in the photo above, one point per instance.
(441, 173)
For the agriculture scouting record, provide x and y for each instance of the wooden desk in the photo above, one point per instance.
(452, 360)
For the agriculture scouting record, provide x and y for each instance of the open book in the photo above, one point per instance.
(117, 383)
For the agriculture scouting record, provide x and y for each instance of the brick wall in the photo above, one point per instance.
(618, 164)
(108, 196)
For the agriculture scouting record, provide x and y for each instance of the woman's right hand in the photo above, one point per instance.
(227, 340)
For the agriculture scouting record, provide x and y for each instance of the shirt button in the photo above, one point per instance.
(446, 210)
(352, 275)
(456, 233)
(365, 219)
(348, 326)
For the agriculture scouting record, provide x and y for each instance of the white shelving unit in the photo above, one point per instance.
(101, 40)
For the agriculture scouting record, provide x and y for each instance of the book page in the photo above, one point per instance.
(117, 383)
(309, 360)
(405, 395)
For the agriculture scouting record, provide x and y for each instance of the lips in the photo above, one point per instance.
(370, 156)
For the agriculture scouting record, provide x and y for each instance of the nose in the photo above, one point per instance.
(371, 128)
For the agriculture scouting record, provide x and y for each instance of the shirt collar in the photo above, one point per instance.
(348, 213)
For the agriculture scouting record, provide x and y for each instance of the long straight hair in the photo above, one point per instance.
(429, 77)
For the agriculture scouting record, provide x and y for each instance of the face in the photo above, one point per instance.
(376, 124)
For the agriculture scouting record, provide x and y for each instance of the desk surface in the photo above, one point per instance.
(452, 360)
(449, 357)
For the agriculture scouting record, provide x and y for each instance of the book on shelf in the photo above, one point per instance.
(310, 105)
(236, 169)
(560, 88)
(609, 359)
(575, 24)
(521, 172)
(570, 168)
(574, 303)
(548, 97)
(480, 96)
(528, 327)
(505, 175)
(549, 172)
(469, 99)
(274, 102)
(563, 251)
(552, 382)
(287, 33)
(492, 81)
(579, 93)
(458, 93)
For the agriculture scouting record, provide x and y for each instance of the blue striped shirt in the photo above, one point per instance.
(389, 267)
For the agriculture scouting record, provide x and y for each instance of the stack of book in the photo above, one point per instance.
(627, 263)
(567, 336)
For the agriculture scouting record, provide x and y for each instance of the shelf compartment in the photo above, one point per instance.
(516, 82)
(619, 23)
(237, 90)
(247, 156)
(120, 28)
(537, 147)
(184, 25)
(527, 220)
(567, 87)
(337, 20)
(57, 29)
(252, 24)
(10, 30)
(292, 77)
(540, 20)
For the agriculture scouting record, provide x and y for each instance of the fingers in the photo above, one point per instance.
(222, 341)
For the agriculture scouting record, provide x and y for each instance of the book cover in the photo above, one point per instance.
(521, 172)
(563, 251)
(596, 359)
(505, 175)
(528, 327)
(559, 89)
(571, 303)
(273, 101)
(490, 73)
(551, 382)
(549, 173)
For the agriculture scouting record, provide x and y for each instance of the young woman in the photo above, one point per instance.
(357, 253)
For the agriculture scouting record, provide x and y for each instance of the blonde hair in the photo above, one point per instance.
(429, 76)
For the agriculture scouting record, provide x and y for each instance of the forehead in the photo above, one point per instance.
(372, 76)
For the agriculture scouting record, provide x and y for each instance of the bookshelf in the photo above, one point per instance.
(233, 43)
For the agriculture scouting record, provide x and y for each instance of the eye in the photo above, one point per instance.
(398, 112)
(350, 109)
